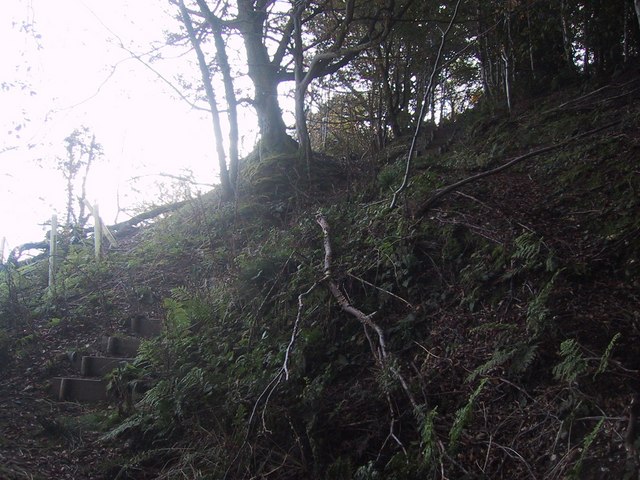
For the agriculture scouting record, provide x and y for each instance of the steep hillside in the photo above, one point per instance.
(485, 331)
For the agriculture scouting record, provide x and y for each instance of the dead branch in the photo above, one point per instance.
(382, 290)
(379, 353)
(447, 190)
(428, 91)
(118, 229)
(294, 331)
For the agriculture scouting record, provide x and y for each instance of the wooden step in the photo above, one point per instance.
(91, 366)
(79, 389)
(120, 346)
(145, 327)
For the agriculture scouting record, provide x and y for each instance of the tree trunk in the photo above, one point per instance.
(637, 4)
(91, 156)
(566, 34)
(229, 91)
(301, 117)
(483, 52)
(227, 188)
(263, 74)
(383, 66)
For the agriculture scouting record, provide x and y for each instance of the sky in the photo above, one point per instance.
(69, 71)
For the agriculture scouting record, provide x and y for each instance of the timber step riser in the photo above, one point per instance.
(80, 390)
(145, 327)
(100, 366)
(118, 351)
(121, 346)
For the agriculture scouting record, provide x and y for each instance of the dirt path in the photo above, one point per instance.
(41, 438)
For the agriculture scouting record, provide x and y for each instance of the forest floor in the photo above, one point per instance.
(42, 438)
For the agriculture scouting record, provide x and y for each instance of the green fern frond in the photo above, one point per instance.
(572, 364)
(586, 445)
(428, 437)
(463, 416)
(181, 294)
(134, 422)
(537, 310)
(523, 357)
(604, 360)
(527, 248)
(498, 358)
(177, 315)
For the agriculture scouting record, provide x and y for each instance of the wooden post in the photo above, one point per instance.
(53, 253)
(97, 232)
(105, 230)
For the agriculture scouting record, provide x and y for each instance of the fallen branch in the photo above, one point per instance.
(380, 354)
(447, 190)
(126, 226)
(121, 228)
(294, 331)
(341, 299)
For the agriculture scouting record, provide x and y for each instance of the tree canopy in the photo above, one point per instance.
(386, 58)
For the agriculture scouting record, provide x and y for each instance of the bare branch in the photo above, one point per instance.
(425, 102)
(446, 190)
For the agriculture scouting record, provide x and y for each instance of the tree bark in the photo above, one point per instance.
(264, 75)
(301, 117)
(227, 188)
(229, 91)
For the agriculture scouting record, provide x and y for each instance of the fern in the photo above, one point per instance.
(604, 360)
(367, 472)
(138, 421)
(177, 315)
(428, 436)
(572, 364)
(527, 249)
(523, 357)
(499, 357)
(588, 440)
(528, 255)
(181, 294)
(463, 416)
(537, 310)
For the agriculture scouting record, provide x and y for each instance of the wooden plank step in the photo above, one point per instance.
(145, 327)
(120, 346)
(92, 366)
(79, 389)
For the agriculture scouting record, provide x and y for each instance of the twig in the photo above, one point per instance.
(381, 289)
(446, 190)
(432, 354)
(425, 102)
(294, 331)
(271, 386)
(509, 451)
(146, 64)
(275, 381)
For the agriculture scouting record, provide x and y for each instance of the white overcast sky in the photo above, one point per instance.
(144, 128)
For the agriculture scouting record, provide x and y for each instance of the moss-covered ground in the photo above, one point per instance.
(509, 308)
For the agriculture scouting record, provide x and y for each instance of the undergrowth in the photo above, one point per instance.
(503, 358)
